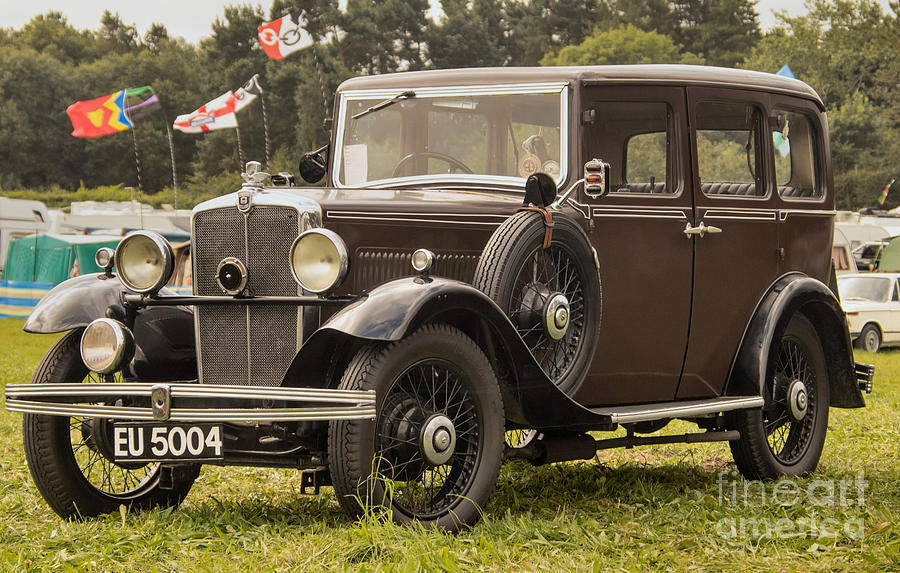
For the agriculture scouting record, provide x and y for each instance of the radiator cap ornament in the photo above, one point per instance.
(245, 200)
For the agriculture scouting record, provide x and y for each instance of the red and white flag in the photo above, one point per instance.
(283, 36)
(217, 114)
(221, 112)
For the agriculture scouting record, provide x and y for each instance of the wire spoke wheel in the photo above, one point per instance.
(117, 480)
(788, 439)
(546, 272)
(418, 486)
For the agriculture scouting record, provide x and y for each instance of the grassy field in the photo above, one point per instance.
(659, 508)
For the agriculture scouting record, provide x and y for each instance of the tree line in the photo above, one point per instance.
(848, 50)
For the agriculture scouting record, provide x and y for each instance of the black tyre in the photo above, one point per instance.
(870, 338)
(786, 436)
(525, 280)
(66, 459)
(433, 452)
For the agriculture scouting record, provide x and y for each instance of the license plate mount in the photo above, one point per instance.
(155, 442)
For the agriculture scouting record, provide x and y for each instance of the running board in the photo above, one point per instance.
(682, 409)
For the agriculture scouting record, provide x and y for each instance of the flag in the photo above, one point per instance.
(885, 192)
(100, 116)
(785, 71)
(221, 112)
(217, 114)
(283, 36)
(144, 102)
(247, 93)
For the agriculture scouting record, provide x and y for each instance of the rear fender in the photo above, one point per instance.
(396, 309)
(790, 294)
(163, 335)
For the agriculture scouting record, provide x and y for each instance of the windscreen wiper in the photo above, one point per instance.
(385, 103)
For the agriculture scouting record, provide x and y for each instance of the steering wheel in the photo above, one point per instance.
(452, 161)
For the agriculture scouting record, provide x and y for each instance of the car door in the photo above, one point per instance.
(736, 252)
(637, 232)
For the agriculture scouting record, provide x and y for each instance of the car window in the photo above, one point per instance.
(728, 148)
(894, 297)
(634, 138)
(876, 289)
(794, 146)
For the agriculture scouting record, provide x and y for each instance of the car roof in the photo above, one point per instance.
(649, 74)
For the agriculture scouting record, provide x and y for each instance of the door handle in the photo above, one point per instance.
(700, 230)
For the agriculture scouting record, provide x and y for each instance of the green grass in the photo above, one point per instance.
(648, 508)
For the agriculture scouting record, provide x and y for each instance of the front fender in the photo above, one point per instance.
(793, 293)
(395, 309)
(163, 335)
(74, 303)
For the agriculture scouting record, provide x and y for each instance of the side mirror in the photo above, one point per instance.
(596, 178)
(314, 165)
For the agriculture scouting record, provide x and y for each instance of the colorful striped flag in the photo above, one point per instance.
(885, 191)
(100, 116)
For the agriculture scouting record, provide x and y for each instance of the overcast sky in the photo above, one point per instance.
(192, 19)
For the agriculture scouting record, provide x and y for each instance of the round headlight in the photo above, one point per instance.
(422, 260)
(104, 257)
(105, 345)
(319, 260)
(145, 261)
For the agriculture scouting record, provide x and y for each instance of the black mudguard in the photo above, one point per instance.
(395, 309)
(163, 335)
(793, 293)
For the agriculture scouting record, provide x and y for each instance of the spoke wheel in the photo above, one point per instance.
(787, 435)
(70, 459)
(432, 454)
(552, 296)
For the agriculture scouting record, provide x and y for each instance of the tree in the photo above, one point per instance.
(623, 45)
(470, 34)
(723, 32)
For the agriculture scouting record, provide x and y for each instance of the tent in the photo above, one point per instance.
(52, 258)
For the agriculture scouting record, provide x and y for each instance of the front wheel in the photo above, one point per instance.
(69, 457)
(786, 436)
(432, 454)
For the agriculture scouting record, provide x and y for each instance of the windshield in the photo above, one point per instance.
(864, 288)
(434, 137)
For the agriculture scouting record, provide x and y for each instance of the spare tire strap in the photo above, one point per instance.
(548, 222)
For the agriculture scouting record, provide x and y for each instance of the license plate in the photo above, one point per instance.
(156, 442)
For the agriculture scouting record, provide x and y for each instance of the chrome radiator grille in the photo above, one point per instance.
(243, 344)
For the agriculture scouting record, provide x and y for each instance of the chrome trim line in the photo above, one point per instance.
(193, 415)
(783, 214)
(357, 404)
(642, 213)
(445, 91)
(740, 214)
(188, 390)
(628, 414)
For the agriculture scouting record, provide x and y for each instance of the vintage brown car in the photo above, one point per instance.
(499, 261)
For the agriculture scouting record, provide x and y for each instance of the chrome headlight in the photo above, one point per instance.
(145, 261)
(105, 345)
(319, 260)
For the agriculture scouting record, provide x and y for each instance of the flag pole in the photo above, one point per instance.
(237, 130)
(262, 101)
(172, 156)
(137, 160)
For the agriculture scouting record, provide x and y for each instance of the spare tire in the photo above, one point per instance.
(531, 284)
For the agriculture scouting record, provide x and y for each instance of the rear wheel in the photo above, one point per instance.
(870, 338)
(787, 435)
(66, 455)
(433, 452)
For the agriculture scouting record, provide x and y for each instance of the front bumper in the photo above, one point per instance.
(184, 402)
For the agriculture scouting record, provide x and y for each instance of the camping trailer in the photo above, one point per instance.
(20, 218)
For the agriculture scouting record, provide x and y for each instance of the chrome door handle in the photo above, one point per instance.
(701, 230)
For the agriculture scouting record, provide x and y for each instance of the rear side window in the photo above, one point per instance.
(728, 151)
(794, 145)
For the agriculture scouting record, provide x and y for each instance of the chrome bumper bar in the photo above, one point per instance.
(76, 400)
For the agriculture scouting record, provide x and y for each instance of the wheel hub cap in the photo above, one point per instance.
(438, 439)
(798, 400)
(556, 316)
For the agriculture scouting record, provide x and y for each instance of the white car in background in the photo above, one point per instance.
(872, 304)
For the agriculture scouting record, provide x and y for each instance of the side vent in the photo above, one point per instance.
(373, 267)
